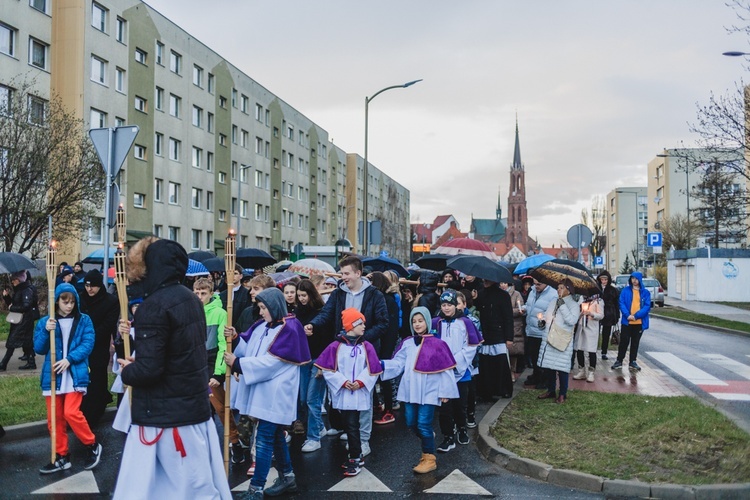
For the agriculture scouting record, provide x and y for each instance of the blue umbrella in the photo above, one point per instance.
(531, 262)
(97, 256)
(383, 263)
(195, 268)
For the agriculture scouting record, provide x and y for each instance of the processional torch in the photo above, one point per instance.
(230, 260)
(51, 276)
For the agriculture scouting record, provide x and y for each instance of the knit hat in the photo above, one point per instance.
(351, 318)
(569, 285)
(20, 276)
(66, 271)
(93, 278)
(449, 296)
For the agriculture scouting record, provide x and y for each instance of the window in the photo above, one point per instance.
(234, 98)
(96, 229)
(40, 5)
(222, 177)
(159, 97)
(38, 53)
(197, 156)
(175, 62)
(244, 103)
(98, 70)
(197, 116)
(99, 17)
(6, 98)
(222, 215)
(267, 149)
(195, 239)
(209, 161)
(159, 54)
(140, 104)
(197, 195)
(258, 179)
(120, 80)
(37, 110)
(174, 193)
(197, 76)
(121, 30)
(234, 170)
(174, 105)
(174, 149)
(158, 188)
(119, 122)
(7, 40)
(174, 233)
(222, 101)
(300, 221)
(244, 138)
(300, 193)
(141, 56)
(210, 122)
(98, 118)
(138, 200)
(209, 239)
(139, 152)
(268, 117)
(290, 132)
(258, 211)
(158, 230)
(233, 207)
(258, 112)
(234, 134)
(211, 83)
(222, 139)
(243, 209)
(210, 201)
(258, 145)
(158, 144)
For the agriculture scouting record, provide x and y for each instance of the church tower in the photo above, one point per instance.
(517, 231)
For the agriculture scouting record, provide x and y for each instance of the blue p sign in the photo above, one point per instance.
(654, 239)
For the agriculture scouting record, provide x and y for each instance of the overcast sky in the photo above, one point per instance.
(599, 88)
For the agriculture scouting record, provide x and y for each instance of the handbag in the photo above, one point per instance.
(14, 318)
(558, 337)
(615, 339)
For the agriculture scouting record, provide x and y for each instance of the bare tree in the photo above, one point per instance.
(721, 215)
(48, 167)
(679, 232)
(596, 220)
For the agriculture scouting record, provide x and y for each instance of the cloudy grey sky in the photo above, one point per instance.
(599, 88)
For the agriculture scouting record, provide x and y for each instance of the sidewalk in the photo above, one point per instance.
(709, 308)
(14, 363)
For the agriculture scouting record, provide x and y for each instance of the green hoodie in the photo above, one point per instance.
(216, 320)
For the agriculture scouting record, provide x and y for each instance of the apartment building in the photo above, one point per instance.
(627, 226)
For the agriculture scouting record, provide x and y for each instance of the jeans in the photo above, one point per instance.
(269, 443)
(552, 376)
(453, 413)
(419, 419)
(351, 427)
(606, 332)
(311, 391)
(629, 334)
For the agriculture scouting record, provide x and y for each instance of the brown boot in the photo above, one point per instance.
(427, 463)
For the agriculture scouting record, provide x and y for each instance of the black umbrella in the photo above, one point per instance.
(555, 271)
(434, 262)
(385, 264)
(201, 255)
(214, 265)
(481, 267)
(254, 258)
(12, 262)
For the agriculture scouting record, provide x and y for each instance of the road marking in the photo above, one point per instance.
(458, 483)
(272, 476)
(734, 366)
(730, 396)
(685, 370)
(364, 481)
(83, 482)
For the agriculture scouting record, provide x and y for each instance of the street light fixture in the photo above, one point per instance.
(365, 236)
(735, 53)
(343, 242)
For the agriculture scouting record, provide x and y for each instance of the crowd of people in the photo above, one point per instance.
(358, 347)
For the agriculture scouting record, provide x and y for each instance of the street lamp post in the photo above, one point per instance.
(365, 231)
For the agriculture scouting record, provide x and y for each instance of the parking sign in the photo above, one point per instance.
(654, 239)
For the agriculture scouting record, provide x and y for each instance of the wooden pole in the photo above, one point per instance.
(230, 260)
(51, 276)
(121, 282)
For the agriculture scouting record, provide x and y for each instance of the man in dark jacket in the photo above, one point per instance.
(169, 381)
(496, 317)
(611, 298)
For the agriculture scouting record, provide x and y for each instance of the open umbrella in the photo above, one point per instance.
(283, 277)
(481, 267)
(384, 263)
(196, 268)
(254, 258)
(97, 256)
(531, 262)
(554, 271)
(466, 246)
(308, 267)
(12, 262)
(214, 265)
(201, 255)
(433, 261)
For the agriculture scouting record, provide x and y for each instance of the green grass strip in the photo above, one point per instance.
(701, 318)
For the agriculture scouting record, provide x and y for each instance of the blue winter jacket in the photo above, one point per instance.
(626, 298)
(80, 344)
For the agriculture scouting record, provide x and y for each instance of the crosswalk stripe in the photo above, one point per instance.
(691, 373)
(458, 483)
(364, 481)
(731, 396)
(734, 366)
(83, 482)
(272, 476)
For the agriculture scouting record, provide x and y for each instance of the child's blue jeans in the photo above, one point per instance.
(270, 442)
(419, 419)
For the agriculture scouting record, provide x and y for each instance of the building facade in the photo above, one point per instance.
(627, 226)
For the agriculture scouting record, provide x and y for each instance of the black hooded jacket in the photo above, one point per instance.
(169, 376)
(427, 291)
(495, 315)
(611, 298)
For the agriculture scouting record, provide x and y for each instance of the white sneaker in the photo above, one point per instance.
(343, 437)
(366, 448)
(287, 437)
(333, 432)
(310, 446)
(323, 433)
(580, 375)
(590, 376)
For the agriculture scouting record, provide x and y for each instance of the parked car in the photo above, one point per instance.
(653, 285)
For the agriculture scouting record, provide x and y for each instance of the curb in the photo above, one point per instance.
(495, 453)
(33, 430)
(701, 325)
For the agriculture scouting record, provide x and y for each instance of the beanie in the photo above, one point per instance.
(351, 318)
(93, 278)
(449, 296)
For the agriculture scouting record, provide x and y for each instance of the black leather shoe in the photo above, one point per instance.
(30, 365)
(25, 357)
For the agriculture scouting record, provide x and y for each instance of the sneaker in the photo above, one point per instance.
(353, 467)
(343, 437)
(366, 448)
(471, 422)
(617, 365)
(463, 436)
(634, 367)
(590, 376)
(310, 446)
(396, 405)
(287, 437)
(253, 493)
(251, 470)
(237, 453)
(346, 463)
(281, 485)
(387, 418)
(62, 462)
(447, 445)
(333, 432)
(604, 356)
(95, 454)
(580, 375)
(323, 433)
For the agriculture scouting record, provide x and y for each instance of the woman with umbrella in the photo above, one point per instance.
(22, 300)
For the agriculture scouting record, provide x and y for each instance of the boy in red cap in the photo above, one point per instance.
(351, 367)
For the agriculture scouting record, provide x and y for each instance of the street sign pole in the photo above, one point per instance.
(108, 203)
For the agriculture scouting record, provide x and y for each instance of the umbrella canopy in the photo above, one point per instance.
(201, 255)
(466, 246)
(97, 256)
(308, 267)
(283, 277)
(383, 263)
(433, 262)
(554, 271)
(531, 262)
(254, 258)
(196, 268)
(214, 265)
(481, 267)
(12, 262)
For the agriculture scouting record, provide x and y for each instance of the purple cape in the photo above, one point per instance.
(434, 355)
(475, 338)
(290, 344)
(328, 359)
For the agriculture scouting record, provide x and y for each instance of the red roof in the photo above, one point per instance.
(451, 234)
(440, 220)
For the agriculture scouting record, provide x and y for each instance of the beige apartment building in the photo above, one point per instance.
(216, 150)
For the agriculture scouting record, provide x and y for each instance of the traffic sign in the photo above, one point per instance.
(599, 261)
(653, 239)
(113, 156)
(579, 236)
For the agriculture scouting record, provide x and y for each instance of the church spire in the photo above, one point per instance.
(499, 209)
(517, 165)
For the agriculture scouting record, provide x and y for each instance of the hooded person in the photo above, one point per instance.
(269, 375)
(427, 291)
(22, 300)
(65, 276)
(103, 309)
(635, 304)
(611, 298)
(172, 449)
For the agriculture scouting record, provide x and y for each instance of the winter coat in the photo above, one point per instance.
(495, 315)
(587, 329)
(216, 342)
(80, 344)
(611, 297)
(519, 326)
(626, 298)
(240, 301)
(24, 300)
(565, 316)
(169, 377)
(538, 303)
(391, 336)
(104, 311)
(427, 292)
